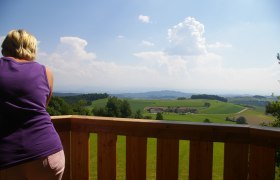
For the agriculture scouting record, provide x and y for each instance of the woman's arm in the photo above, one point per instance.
(50, 81)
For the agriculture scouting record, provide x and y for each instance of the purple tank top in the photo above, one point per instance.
(26, 130)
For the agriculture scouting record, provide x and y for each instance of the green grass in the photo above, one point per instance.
(151, 159)
(215, 118)
(216, 113)
(216, 107)
(99, 103)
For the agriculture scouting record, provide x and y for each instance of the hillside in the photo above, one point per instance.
(165, 94)
(216, 112)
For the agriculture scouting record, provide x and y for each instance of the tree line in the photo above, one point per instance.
(76, 105)
(273, 108)
(88, 98)
(114, 108)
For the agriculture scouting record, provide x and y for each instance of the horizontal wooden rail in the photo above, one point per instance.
(170, 129)
(249, 151)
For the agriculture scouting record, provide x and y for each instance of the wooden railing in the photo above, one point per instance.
(249, 151)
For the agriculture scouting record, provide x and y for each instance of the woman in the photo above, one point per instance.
(30, 147)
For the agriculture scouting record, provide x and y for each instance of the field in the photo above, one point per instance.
(151, 159)
(216, 113)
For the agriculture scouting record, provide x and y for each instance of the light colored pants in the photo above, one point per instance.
(49, 168)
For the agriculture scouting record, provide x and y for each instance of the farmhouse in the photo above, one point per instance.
(155, 110)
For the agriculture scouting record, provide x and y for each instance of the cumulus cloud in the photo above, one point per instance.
(144, 19)
(163, 63)
(190, 64)
(75, 47)
(187, 38)
(186, 64)
(76, 69)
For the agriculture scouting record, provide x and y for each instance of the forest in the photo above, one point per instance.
(74, 105)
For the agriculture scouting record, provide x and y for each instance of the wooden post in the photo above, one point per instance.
(80, 155)
(201, 160)
(236, 161)
(262, 162)
(136, 158)
(167, 159)
(106, 152)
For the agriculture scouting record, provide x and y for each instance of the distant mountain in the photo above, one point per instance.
(165, 94)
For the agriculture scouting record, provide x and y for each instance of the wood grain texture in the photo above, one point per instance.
(80, 155)
(201, 160)
(167, 159)
(260, 140)
(236, 161)
(136, 158)
(261, 162)
(106, 151)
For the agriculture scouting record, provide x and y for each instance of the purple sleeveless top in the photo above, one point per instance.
(26, 130)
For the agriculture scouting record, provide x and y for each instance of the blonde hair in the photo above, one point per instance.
(20, 44)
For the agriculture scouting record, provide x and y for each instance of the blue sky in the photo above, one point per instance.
(193, 46)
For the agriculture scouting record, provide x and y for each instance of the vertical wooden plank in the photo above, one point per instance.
(236, 161)
(80, 155)
(201, 160)
(2, 174)
(106, 151)
(65, 140)
(136, 158)
(261, 162)
(167, 159)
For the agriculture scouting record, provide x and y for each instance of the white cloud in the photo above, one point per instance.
(164, 64)
(187, 38)
(190, 64)
(147, 43)
(75, 47)
(75, 68)
(144, 19)
(198, 67)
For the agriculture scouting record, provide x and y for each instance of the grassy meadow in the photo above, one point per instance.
(216, 113)
(151, 159)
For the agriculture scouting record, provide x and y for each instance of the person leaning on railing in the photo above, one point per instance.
(30, 148)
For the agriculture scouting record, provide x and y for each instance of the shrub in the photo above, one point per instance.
(241, 120)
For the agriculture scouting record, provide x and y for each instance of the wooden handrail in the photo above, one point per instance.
(170, 129)
(249, 151)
